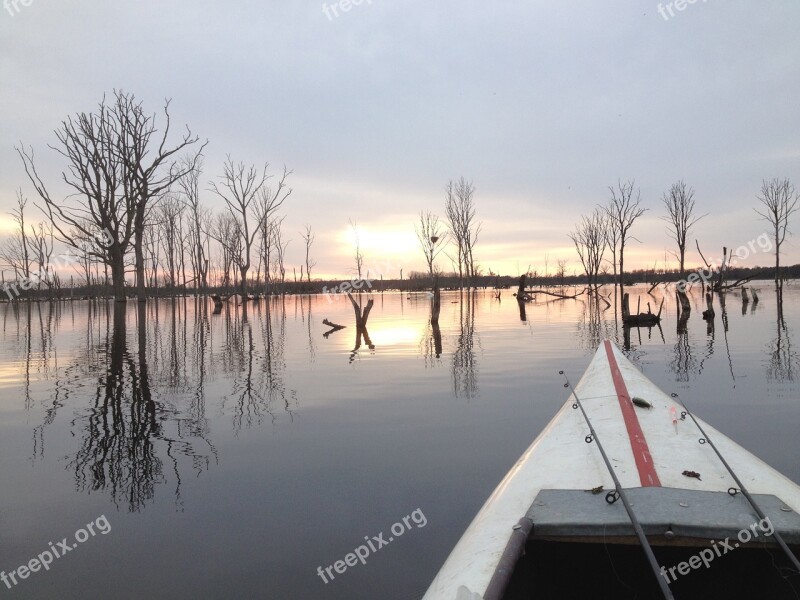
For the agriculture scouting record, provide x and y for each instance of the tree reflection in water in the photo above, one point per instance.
(464, 367)
(306, 317)
(430, 345)
(133, 382)
(781, 354)
(145, 424)
(595, 324)
(258, 371)
(129, 432)
(684, 362)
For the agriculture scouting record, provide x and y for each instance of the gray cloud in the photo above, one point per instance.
(542, 104)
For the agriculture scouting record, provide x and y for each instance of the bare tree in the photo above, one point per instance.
(42, 251)
(280, 249)
(267, 205)
(266, 244)
(779, 202)
(612, 243)
(460, 213)
(680, 205)
(431, 235)
(118, 163)
(623, 209)
(590, 242)
(561, 270)
(225, 227)
(150, 167)
(152, 248)
(14, 252)
(168, 219)
(308, 238)
(359, 257)
(86, 259)
(101, 200)
(198, 219)
(19, 220)
(240, 187)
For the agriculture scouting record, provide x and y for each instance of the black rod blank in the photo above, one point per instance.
(742, 488)
(637, 527)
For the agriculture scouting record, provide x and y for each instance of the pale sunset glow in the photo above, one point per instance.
(383, 243)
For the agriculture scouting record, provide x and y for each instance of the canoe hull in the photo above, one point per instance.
(649, 453)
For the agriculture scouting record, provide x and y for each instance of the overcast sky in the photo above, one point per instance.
(542, 104)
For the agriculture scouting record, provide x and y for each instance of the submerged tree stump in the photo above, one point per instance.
(436, 304)
(685, 307)
(521, 295)
(218, 300)
(648, 319)
(334, 327)
(361, 324)
(361, 316)
(709, 313)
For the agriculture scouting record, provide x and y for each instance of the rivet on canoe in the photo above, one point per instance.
(786, 509)
(516, 527)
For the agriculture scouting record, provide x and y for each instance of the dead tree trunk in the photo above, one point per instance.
(437, 339)
(436, 304)
(683, 303)
(626, 313)
(722, 268)
(361, 317)
(530, 293)
(639, 319)
(709, 314)
(522, 313)
(218, 300)
(334, 327)
(361, 325)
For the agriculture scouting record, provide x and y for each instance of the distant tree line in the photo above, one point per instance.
(609, 227)
(131, 205)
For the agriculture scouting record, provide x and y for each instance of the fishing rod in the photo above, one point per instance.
(611, 497)
(733, 491)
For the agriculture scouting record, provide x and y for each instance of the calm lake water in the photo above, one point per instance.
(232, 455)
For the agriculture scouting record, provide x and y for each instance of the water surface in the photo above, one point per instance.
(234, 454)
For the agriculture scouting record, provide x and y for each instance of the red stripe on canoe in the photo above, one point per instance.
(641, 452)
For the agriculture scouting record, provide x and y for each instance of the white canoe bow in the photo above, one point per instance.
(650, 453)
